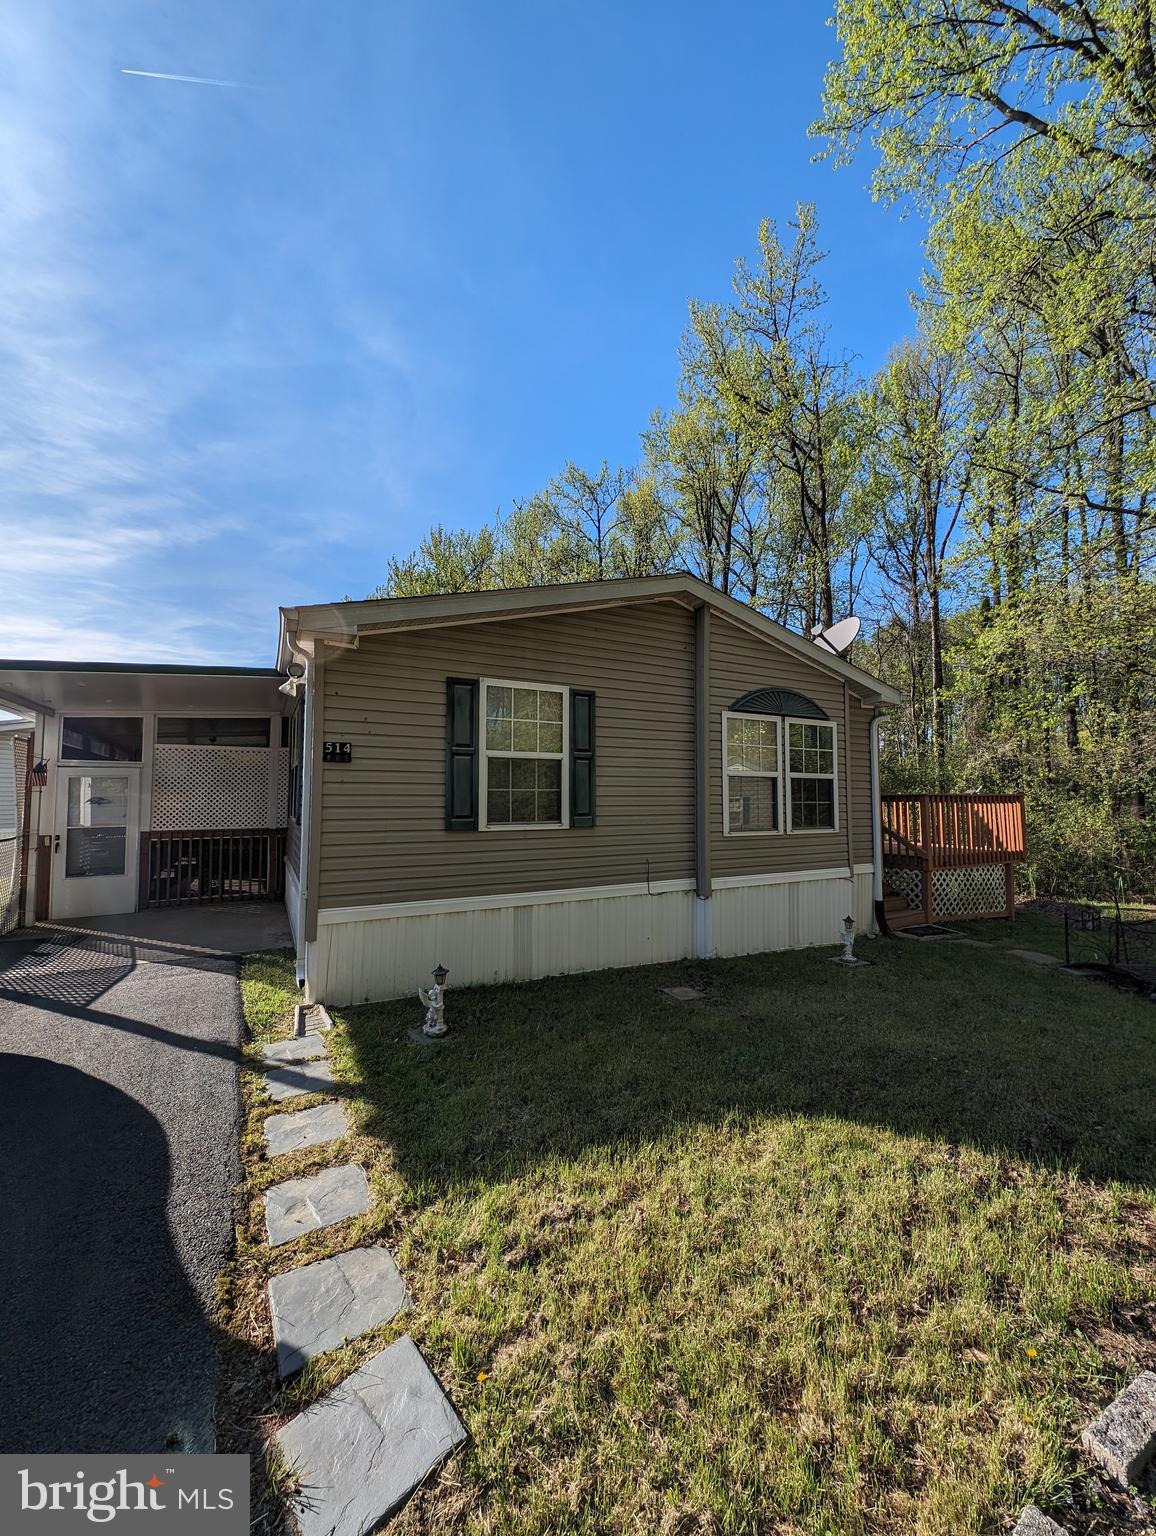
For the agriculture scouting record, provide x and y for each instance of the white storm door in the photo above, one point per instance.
(94, 858)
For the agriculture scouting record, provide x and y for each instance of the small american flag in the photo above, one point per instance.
(38, 774)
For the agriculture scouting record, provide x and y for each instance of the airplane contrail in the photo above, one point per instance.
(152, 74)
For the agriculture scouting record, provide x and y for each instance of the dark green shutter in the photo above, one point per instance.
(581, 758)
(461, 754)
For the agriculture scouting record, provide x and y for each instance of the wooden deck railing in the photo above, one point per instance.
(962, 831)
(186, 868)
(931, 832)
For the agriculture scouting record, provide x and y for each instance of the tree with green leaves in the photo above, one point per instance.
(767, 359)
(446, 560)
(917, 454)
(967, 92)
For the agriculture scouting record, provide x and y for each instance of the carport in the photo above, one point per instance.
(149, 786)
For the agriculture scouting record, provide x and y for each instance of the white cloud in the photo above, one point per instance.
(31, 633)
(97, 487)
(55, 551)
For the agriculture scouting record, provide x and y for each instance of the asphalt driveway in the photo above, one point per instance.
(118, 1154)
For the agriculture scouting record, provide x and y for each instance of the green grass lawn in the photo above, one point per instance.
(830, 1252)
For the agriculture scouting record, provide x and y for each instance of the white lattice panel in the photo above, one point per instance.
(281, 802)
(907, 883)
(955, 892)
(209, 789)
(9, 883)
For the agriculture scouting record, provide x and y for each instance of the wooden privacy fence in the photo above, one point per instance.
(950, 856)
(185, 868)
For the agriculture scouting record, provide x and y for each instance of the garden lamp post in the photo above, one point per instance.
(434, 1000)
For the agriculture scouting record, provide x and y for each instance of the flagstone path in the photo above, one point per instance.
(320, 1306)
(293, 1078)
(360, 1451)
(306, 1128)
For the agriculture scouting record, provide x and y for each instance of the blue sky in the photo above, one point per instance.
(256, 339)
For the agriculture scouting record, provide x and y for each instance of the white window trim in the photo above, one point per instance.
(830, 725)
(484, 754)
(735, 714)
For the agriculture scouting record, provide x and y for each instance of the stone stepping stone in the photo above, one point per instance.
(1033, 1522)
(1035, 957)
(298, 1048)
(319, 1306)
(305, 1205)
(1123, 1438)
(360, 1452)
(306, 1128)
(683, 994)
(298, 1077)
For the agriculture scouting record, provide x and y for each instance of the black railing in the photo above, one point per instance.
(181, 869)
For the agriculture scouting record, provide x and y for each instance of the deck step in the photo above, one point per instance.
(905, 918)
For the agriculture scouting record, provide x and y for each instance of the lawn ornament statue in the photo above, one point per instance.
(847, 935)
(434, 999)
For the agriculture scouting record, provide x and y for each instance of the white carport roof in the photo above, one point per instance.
(47, 687)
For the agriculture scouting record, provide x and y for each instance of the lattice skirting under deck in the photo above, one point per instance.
(956, 892)
(907, 883)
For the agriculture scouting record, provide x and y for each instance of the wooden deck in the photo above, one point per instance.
(932, 834)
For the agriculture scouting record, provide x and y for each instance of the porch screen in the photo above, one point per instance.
(101, 739)
(202, 731)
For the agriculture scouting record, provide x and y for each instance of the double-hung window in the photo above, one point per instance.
(524, 745)
(752, 770)
(812, 794)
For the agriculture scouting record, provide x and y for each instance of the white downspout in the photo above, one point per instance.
(305, 828)
(876, 821)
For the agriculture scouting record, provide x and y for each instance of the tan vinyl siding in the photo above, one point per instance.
(741, 661)
(859, 749)
(383, 836)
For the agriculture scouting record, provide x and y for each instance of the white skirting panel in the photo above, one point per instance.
(370, 954)
(384, 957)
(787, 914)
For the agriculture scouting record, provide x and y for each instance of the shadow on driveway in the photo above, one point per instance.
(103, 1337)
(119, 1110)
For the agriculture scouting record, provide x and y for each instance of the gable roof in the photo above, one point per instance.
(341, 625)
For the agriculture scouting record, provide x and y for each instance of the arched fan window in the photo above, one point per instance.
(780, 765)
(778, 701)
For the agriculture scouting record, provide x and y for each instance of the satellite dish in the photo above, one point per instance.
(839, 637)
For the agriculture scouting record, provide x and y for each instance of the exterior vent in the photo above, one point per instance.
(778, 701)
